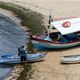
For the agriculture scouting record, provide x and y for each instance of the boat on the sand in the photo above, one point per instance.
(61, 34)
(70, 59)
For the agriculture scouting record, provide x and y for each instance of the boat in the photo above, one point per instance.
(14, 58)
(61, 34)
(70, 59)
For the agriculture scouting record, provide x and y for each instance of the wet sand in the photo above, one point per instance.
(51, 69)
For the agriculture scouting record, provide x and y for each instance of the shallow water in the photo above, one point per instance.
(11, 37)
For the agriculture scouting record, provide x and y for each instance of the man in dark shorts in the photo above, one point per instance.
(22, 53)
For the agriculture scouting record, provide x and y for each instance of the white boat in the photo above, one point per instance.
(70, 59)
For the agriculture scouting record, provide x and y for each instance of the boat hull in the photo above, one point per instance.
(48, 45)
(13, 58)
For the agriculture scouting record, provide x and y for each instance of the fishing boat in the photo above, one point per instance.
(60, 34)
(70, 59)
(14, 58)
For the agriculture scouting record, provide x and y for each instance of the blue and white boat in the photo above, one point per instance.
(66, 34)
(14, 58)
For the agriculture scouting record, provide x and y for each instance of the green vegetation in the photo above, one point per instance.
(31, 19)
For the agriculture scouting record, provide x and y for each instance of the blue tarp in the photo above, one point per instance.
(68, 38)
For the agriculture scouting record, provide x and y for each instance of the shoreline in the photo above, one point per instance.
(16, 70)
(15, 73)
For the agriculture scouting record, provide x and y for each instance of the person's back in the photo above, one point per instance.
(22, 53)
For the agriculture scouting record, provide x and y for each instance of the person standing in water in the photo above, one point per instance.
(22, 53)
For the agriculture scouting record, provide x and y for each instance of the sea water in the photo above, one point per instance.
(11, 37)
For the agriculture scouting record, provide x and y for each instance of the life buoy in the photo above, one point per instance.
(66, 24)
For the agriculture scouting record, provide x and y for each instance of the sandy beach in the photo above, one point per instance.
(50, 68)
(58, 8)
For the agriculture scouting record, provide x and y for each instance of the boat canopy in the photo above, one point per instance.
(67, 26)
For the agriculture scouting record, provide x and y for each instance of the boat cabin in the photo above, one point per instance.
(67, 30)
